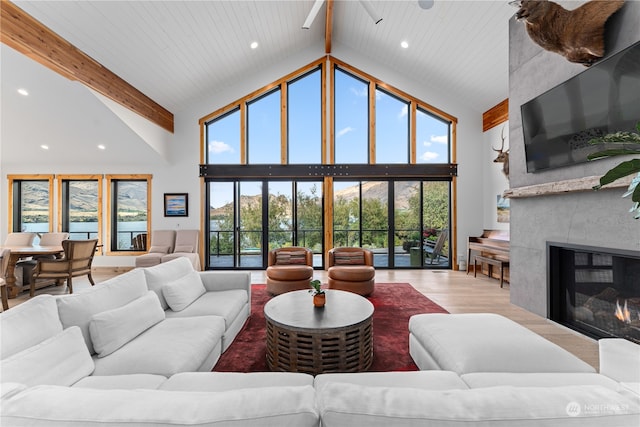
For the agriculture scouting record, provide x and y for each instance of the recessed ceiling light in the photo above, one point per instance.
(404, 44)
(254, 45)
(44, 147)
(23, 92)
(102, 147)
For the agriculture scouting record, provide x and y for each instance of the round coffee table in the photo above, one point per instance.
(304, 338)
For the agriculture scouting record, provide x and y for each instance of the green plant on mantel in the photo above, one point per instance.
(631, 141)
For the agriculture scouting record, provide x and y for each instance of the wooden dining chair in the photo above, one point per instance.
(78, 257)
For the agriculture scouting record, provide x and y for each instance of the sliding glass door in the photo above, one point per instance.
(249, 218)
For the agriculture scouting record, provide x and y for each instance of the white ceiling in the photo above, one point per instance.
(177, 52)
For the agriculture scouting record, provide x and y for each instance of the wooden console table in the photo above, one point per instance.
(303, 338)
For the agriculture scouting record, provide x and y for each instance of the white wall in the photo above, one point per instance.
(494, 181)
(85, 120)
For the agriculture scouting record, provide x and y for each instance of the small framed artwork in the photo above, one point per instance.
(176, 204)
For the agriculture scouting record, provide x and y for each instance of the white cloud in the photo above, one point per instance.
(429, 155)
(345, 131)
(362, 92)
(427, 143)
(404, 111)
(440, 139)
(218, 147)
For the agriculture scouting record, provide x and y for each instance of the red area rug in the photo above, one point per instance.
(394, 304)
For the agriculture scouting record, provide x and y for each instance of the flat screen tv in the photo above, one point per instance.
(604, 98)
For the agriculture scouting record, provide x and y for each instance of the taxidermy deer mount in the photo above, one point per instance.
(503, 156)
(577, 34)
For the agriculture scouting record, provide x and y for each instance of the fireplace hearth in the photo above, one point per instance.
(595, 291)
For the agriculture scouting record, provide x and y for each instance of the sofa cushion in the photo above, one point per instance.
(427, 380)
(77, 309)
(122, 382)
(171, 346)
(60, 360)
(527, 379)
(159, 250)
(9, 389)
(620, 359)
(183, 248)
(225, 381)
(161, 274)
(273, 406)
(112, 329)
(226, 304)
(28, 324)
(486, 342)
(354, 405)
(183, 291)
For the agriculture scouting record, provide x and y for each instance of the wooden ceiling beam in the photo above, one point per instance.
(328, 27)
(28, 36)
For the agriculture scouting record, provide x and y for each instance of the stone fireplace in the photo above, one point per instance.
(572, 214)
(594, 290)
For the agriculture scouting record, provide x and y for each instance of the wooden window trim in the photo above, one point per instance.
(36, 177)
(134, 177)
(99, 179)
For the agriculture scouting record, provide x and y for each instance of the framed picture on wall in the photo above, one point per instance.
(176, 204)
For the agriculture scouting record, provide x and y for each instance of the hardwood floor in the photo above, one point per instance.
(454, 290)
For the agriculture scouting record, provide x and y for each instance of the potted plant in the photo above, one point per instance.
(319, 296)
(631, 141)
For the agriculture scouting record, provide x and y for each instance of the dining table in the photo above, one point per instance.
(19, 252)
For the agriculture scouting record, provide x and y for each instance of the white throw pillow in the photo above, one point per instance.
(183, 291)
(161, 274)
(77, 308)
(28, 324)
(112, 329)
(60, 360)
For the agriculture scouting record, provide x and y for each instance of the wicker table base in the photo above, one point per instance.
(336, 338)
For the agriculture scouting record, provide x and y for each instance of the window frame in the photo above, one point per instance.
(12, 180)
(111, 206)
(61, 180)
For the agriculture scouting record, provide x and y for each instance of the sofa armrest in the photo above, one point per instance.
(620, 359)
(226, 280)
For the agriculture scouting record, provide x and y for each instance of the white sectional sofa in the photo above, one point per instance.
(50, 375)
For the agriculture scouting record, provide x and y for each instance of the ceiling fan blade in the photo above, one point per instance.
(312, 14)
(372, 13)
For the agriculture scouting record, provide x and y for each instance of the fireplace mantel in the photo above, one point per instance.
(560, 187)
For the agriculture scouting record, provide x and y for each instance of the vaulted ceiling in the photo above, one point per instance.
(177, 52)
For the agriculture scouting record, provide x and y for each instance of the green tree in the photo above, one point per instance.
(375, 222)
(309, 212)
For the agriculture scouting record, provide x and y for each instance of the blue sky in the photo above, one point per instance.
(351, 127)
(351, 134)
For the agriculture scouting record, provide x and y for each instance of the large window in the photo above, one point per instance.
(80, 206)
(392, 129)
(323, 159)
(351, 118)
(304, 119)
(129, 210)
(31, 203)
(433, 142)
(223, 139)
(264, 129)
